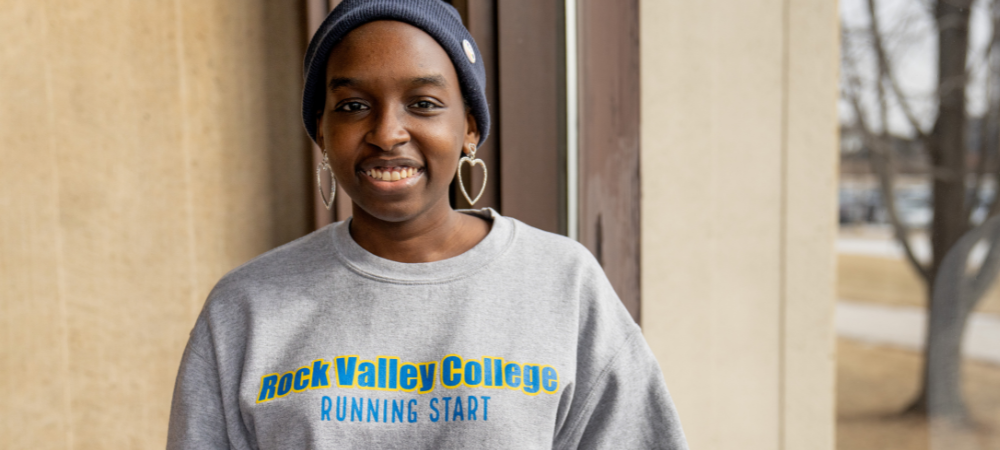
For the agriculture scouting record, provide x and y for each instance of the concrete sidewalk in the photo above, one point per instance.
(905, 327)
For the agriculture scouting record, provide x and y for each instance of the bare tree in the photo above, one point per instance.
(956, 183)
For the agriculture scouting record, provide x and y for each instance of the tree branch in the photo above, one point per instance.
(882, 164)
(990, 128)
(880, 157)
(886, 71)
(988, 271)
(984, 125)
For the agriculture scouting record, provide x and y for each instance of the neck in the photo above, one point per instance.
(437, 234)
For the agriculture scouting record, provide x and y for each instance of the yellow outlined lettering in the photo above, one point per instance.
(389, 373)
(531, 379)
(268, 383)
(393, 373)
(545, 378)
(382, 371)
(470, 366)
(367, 377)
(409, 375)
(492, 372)
(285, 384)
(427, 377)
(301, 374)
(320, 376)
(347, 370)
(448, 368)
(512, 375)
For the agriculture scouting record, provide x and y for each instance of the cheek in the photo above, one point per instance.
(443, 163)
(450, 137)
(341, 155)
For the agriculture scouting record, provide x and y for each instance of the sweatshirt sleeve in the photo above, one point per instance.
(198, 414)
(627, 407)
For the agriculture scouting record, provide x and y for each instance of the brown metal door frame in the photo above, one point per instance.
(531, 42)
(532, 93)
(609, 116)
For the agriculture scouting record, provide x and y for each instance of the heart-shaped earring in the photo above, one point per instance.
(325, 165)
(473, 161)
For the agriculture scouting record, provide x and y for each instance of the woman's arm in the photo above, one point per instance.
(196, 416)
(627, 406)
(620, 398)
(203, 414)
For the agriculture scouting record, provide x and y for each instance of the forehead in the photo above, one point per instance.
(389, 49)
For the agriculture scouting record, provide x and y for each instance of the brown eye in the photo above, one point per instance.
(352, 107)
(425, 104)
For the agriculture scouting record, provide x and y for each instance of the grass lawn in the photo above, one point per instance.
(890, 281)
(875, 383)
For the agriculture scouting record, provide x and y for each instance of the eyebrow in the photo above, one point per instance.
(342, 82)
(433, 80)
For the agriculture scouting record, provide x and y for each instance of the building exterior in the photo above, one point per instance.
(150, 147)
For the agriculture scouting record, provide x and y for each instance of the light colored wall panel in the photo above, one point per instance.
(148, 148)
(741, 334)
(32, 313)
(810, 223)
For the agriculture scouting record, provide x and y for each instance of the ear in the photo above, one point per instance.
(471, 131)
(319, 132)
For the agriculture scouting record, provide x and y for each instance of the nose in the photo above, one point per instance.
(388, 131)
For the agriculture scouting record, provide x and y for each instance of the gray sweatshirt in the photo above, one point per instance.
(517, 343)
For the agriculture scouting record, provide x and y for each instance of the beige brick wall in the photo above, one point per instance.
(739, 155)
(146, 148)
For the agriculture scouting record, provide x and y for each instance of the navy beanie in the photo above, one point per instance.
(435, 17)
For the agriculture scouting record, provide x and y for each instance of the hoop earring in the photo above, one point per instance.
(325, 165)
(473, 161)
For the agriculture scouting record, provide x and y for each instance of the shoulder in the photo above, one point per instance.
(533, 244)
(557, 263)
(289, 265)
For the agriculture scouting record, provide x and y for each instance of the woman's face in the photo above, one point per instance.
(394, 121)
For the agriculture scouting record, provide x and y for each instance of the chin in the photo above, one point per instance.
(393, 212)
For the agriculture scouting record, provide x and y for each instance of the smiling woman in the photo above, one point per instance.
(394, 108)
(521, 323)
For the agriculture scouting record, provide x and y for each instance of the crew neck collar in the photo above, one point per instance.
(498, 239)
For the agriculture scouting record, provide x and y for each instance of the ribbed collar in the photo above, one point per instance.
(497, 241)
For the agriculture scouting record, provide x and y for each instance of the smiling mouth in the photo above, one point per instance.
(392, 173)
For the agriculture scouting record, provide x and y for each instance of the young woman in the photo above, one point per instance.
(412, 325)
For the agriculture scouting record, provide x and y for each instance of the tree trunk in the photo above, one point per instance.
(948, 157)
(958, 288)
(946, 326)
(948, 147)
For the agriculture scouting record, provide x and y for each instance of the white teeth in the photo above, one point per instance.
(393, 174)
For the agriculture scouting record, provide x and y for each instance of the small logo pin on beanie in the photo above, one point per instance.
(469, 52)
